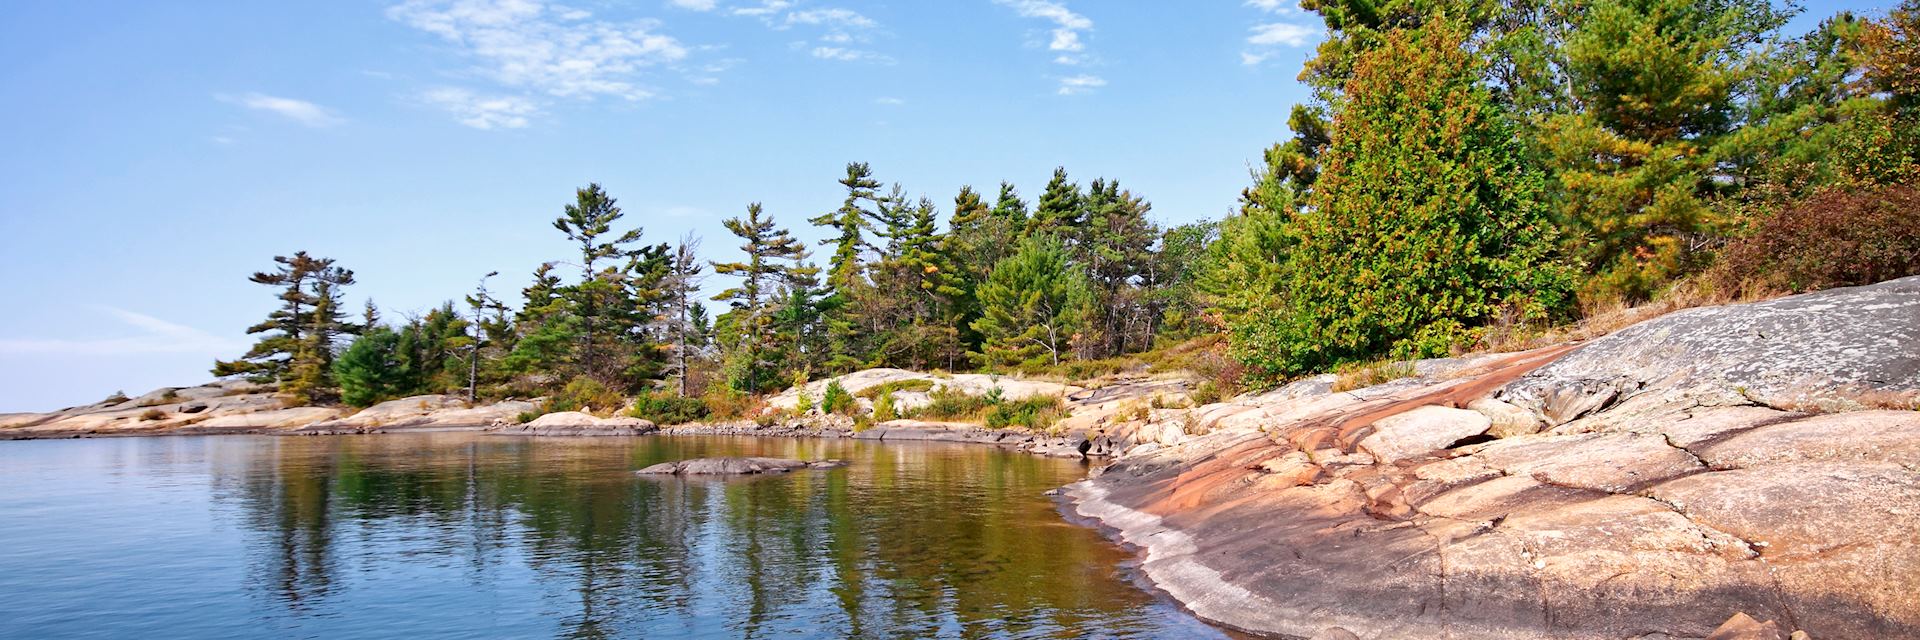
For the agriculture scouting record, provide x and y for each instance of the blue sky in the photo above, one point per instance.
(157, 153)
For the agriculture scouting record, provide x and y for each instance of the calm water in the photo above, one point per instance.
(467, 535)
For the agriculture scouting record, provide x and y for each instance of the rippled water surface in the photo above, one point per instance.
(468, 535)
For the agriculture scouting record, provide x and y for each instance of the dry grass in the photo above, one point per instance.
(1366, 375)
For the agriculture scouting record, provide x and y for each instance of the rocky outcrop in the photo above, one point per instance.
(736, 466)
(969, 383)
(225, 406)
(1653, 483)
(575, 423)
(425, 413)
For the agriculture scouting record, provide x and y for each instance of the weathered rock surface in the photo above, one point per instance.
(166, 410)
(736, 466)
(575, 423)
(968, 383)
(1685, 476)
(425, 413)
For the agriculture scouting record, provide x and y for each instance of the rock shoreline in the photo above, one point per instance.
(1639, 487)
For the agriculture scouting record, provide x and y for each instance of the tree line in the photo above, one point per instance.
(1464, 171)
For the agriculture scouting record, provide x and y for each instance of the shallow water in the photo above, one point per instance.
(460, 535)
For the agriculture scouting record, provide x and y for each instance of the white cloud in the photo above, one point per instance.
(831, 17)
(1066, 37)
(1274, 35)
(483, 112)
(549, 49)
(844, 54)
(300, 111)
(1282, 7)
(1281, 33)
(766, 8)
(694, 5)
(1080, 84)
(889, 101)
(154, 336)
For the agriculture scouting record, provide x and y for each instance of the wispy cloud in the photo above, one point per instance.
(482, 112)
(694, 5)
(1268, 38)
(300, 111)
(1080, 84)
(889, 101)
(537, 48)
(1065, 39)
(837, 31)
(153, 335)
(1282, 7)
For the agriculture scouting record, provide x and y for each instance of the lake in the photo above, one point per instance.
(466, 535)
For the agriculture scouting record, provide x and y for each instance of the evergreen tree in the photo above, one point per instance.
(372, 369)
(850, 223)
(1426, 221)
(766, 247)
(296, 353)
(1654, 86)
(610, 303)
(1115, 245)
(1033, 306)
(1059, 211)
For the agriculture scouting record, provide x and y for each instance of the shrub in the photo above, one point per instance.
(1038, 412)
(667, 409)
(584, 394)
(837, 400)
(946, 403)
(725, 403)
(1359, 376)
(1833, 238)
(527, 416)
(804, 404)
(153, 414)
(883, 408)
(117, 398)
(916, 384)
(1207, 392)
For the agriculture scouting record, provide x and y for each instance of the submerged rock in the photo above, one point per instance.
(736, 466)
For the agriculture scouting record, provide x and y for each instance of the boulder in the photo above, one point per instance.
(968, 383)
(426, 412)
(736, 466)
(575, 423)
(1506, 420)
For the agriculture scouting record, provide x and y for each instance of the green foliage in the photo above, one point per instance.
(297, 343)
(1427, 221)
(584, 394)
(371, 370)
(667, 409)
(913, 385)
(1033, 306)
(883, 409)
(837, 400)
(946, 403)
(749, 367)
(725, 403)
(1037, 412)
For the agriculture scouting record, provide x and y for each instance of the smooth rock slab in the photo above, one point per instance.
(1421, 431)
(736, 466)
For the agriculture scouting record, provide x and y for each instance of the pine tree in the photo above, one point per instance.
(766, 247)
(850, 223)
(305, 330)
(1059, 211)
(1115, 245)
(1033, 306)
(1653, 86)
(607, 301)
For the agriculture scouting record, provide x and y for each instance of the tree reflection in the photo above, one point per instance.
(917, 540)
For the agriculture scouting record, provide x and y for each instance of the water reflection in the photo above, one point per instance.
(463, 534)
